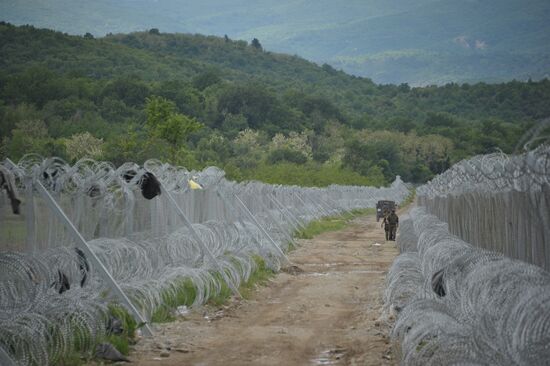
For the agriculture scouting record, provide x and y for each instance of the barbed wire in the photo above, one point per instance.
(493, 173)
(458, 304)
(49, 298)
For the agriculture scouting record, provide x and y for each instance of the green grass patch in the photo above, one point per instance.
(129, 326)
(225, 292)
(120, 342)
(290, 247)
(84, 343)
(332, 223)
(183, 292)
(163, 314)
(410, 198)
(72, 359)
(360, 212)
(259, 277)
(310, 174)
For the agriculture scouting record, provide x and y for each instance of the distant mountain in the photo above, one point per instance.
(390, 41)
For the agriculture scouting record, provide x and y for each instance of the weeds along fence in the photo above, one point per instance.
(90, 235)
(497, 202)
(457, 304)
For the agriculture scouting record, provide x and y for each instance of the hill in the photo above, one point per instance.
(421, 42)
(265, 115)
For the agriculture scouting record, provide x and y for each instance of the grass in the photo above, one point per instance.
(290, 247)
(83, 348)
(183, 292)
(219, 298)
(410, 198)
(332, 223)
(259, 277)
(129, 326)
(72, 359)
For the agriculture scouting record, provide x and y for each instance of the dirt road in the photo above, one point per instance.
(329, 314)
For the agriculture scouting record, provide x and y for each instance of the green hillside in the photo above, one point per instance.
(392, 41)
(264, 115)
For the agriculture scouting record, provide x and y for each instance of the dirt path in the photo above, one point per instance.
(329, 314)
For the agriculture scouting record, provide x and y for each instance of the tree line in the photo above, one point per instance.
(196, 100)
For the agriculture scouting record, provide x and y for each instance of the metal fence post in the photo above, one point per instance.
(29, 215)
(5, 359)
(292, 219)
(285, 233)
(83, 245)
(238, 219)
(251, 216)
(305, 205)
(199, 240)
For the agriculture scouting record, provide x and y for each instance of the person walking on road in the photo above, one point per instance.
(393, 222)
(386, 225)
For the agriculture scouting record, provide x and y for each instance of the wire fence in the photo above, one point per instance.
(92, 234)
(461, 305)
(497, 202)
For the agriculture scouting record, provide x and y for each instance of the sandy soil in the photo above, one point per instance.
(329, 313)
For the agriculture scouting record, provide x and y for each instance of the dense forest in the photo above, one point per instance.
(197, 100)
(420, 42)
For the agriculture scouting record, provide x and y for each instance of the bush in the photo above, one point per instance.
(287, 155)
(309, 175)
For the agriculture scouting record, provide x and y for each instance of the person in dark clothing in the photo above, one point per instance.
(393, 222)
(386, 225)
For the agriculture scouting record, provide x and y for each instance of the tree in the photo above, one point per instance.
(401, 124)
(298, 142)
(256, 44)
(177, 128)
(187, 97)
(214, 149)
(131, 91)
(382, 152)
(232, 124)
(36, 85)
(83, 145)
(11, 115)
(253, 101)
(247, 141)
(158, 110)
(28, 136)
(124, 147)
(165, 123)
(206, 78)
(285, 154)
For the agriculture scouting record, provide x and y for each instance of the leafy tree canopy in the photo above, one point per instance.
(200, 100)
